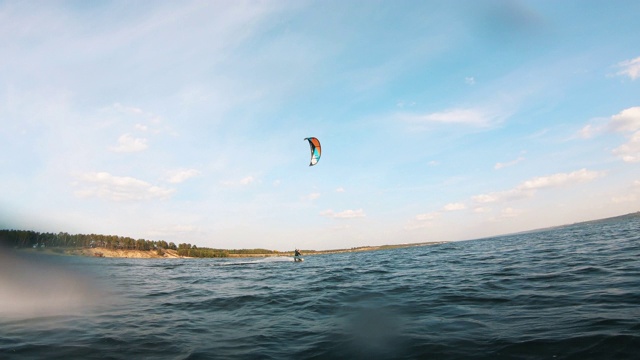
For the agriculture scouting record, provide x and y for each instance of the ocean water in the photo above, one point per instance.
(567, 293)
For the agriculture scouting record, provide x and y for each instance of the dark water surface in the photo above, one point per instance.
(568, 293)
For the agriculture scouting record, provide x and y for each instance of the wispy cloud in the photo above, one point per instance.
(499, 166)
(510, 213)
(632, 194)
(422, 220)
(127, 109)
(589, 131)
(560, 179)
(312, 196)
(247, 180)
(470, 117)
(525, 189)
(182, 175)
(529, 187)
(346, 214)
(118, 188)
(133, 118)
(127, 143)
(626, 121)
(629, 151)
(454, 207)
(630, 68)
(133, 113)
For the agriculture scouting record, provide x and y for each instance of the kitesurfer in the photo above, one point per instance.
(297, 253)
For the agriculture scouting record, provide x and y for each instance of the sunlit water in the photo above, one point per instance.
(572, 292)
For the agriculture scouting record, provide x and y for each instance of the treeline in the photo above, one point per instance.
(195, 251)
(28, 238)
(34, 239)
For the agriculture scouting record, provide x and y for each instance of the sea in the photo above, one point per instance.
(571, 292)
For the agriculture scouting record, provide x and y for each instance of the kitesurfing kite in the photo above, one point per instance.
(315, 150)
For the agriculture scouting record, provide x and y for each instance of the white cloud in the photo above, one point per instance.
(247, 180)
(470, 80)
(127, 143)
(526, 189)
(630, 68)
(182, 175)
(427, 216)
(560, 179)
(312, 196)
(486, 198)
(135, 118)
(589, 131)
(499, 196)
(421, 221)
(529, 187)
(118, 188)
(628, 120)
(340, 189)
(127, 109)
(499, 166)
(510, 213)
(346, 214)
(454, 207)
(630, 151)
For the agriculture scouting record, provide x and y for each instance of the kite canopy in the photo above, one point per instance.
(315, 150)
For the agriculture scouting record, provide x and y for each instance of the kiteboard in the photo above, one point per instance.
(297, 259)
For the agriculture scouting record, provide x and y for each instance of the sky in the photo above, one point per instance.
(185, 121)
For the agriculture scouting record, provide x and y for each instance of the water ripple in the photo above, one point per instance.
(569, 293)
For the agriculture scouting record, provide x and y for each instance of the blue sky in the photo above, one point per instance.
(439, 120)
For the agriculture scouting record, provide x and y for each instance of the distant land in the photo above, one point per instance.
(174, 254)
(94, 245)
(603, 220)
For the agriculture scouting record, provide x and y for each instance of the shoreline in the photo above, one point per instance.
(173, 254)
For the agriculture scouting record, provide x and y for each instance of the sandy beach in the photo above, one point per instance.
(118, 253)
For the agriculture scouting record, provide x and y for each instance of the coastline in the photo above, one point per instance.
(21, 240)
(173, 254)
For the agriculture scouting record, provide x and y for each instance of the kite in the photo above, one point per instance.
(315, 150)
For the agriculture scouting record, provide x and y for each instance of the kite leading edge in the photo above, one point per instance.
(315, 150)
